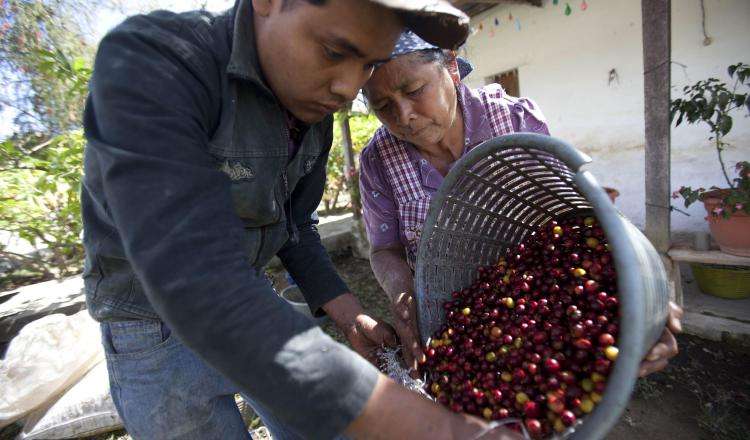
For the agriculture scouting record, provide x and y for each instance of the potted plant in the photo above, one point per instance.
(711, 102)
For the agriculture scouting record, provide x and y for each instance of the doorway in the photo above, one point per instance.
(509, 81)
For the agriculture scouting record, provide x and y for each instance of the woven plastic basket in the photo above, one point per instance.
(499, 193)
(729, 282)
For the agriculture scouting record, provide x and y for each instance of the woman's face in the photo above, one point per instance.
(415, 99)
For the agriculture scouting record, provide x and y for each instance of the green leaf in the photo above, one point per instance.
(723, 99)
(731, 69)
(725, 124)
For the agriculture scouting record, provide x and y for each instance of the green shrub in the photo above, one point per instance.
(40, 202)
(362, 126)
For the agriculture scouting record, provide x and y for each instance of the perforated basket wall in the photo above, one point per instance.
(499, 193)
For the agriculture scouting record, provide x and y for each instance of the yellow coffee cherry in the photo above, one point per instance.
(587, 405)
(487, 413)
(587, 385)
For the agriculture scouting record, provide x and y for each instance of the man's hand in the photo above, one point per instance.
(666, 348)
(404, 310)
(365, 333)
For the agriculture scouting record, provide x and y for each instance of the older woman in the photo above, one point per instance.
(431, 119)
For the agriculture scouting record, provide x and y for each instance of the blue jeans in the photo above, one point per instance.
(164, 391)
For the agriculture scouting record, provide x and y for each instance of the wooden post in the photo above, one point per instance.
(350, 170)
(360, 245)
(656, 83)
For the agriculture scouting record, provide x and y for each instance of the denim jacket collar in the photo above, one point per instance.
(243, 59)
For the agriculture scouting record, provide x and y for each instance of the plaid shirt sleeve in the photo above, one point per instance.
(379, 208)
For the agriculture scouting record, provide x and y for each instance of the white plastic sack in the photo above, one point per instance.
(46, 358)
(86, 410)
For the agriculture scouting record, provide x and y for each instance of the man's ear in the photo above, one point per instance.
(263, 8)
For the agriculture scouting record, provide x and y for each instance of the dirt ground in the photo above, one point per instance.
(703, 395)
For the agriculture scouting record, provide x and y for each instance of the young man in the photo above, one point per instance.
(207, 143)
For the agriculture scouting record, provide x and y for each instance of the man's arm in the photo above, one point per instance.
(306, 259)
(393, 412)
(312, 269)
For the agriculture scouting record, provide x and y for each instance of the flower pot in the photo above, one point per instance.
(733, 233)
(729, 282)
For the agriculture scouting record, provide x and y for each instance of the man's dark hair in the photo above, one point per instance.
(288, 4)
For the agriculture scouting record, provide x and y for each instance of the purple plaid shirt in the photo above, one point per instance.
(379, 204)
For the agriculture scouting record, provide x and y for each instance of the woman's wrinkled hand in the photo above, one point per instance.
(404, 310)
(666, 348)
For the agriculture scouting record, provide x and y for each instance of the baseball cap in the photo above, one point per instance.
(435, 21)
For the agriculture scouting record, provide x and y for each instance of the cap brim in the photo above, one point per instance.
(436, 22)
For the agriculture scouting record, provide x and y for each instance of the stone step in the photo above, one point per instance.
(717, 328)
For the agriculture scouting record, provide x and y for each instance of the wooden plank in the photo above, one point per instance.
(656, 81)
(350, 172)
(675, 283)
(708, 257)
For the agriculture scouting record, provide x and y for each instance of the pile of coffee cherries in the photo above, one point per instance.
(535, 336)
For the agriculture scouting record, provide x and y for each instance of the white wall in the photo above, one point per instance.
(564, 62)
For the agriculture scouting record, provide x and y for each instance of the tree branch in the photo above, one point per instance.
(34, 261)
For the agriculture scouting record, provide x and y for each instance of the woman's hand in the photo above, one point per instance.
(405, 321)
(666, 348)
(392, 271)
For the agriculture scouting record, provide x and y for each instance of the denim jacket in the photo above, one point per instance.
(189, 191)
